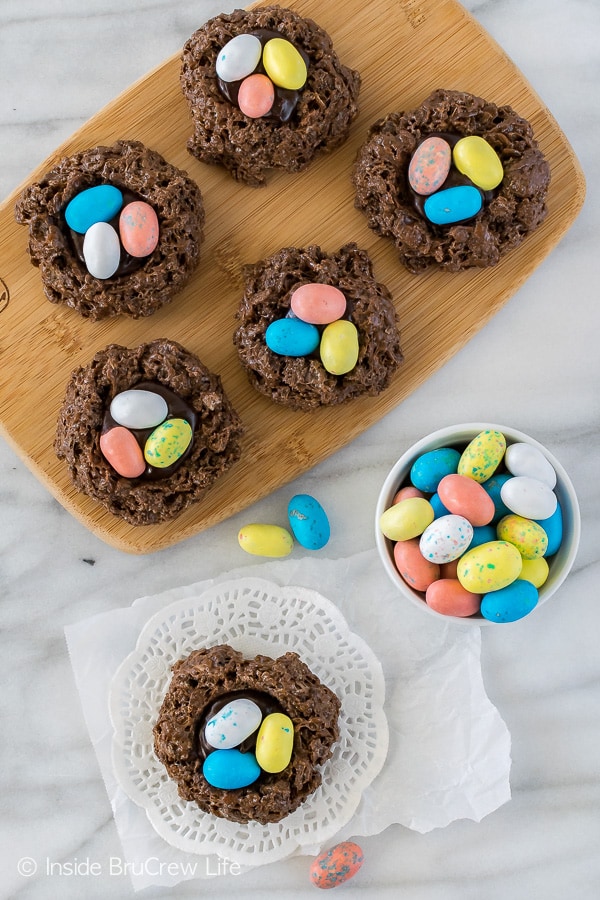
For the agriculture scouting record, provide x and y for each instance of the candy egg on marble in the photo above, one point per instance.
(510, 603)
(429, 165)
(239, 57)
(454, 204)
(283, 64)
(230, 769)
(236, 721)
(96, 204)
(138, 409)
(265, 540)
(407, 519)
(318, 303)
(339, 347)
(475, 158)
(525, 459)
(482, 455)
(336, 865)
(256, 95)
(275, 742)
(428, 469)
(489, 567)
(528, 536)
(536, 571)
(448, 597)
(308, 521)
(292, 337)
(465, 497)
(121, 450)
(101, 250)
(528, 497)
(553, 526)
(416, 571)
(446, 538)
(168, 442)
(138, 228)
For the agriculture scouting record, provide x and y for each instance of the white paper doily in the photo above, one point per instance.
(253, 616)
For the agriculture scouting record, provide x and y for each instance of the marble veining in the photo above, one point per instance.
(534, 366)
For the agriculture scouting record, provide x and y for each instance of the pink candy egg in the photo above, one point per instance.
(449, 597)
(121, 450)
(318, 304)
(417, 571)
(465, 497)
(337, 865)
(138, 228)
(405, 493)
(429, 166)
(256, 96)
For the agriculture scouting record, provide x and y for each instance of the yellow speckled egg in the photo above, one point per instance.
(168, 443)
(284, 65)
(536, 571)
(478, 160)
(489, 567)
(275, 742)
(482, 456)
(528, 536)
(406, 519)
(265, 540)
(339, 347)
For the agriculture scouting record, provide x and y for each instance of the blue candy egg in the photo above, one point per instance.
(292, 337)
(96, 204)
(230, 769)
(553, 526)
(438, 507)
(482, 534)
(308, 521)
(455, 204)
(493, 486)
(428, 469)
(510, 603)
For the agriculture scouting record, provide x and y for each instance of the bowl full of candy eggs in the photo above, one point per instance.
(477, 523)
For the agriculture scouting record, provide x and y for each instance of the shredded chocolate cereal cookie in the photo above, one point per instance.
(297, 96)
(85, 264)
(208, 679)
(303, 382)
(146, 431)
(504, 215)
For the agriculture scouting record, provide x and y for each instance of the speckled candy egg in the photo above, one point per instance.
(482, 456)
(308, 521)
(428, 469)
(168, 443)
(446, 539)
(138, 228)
(429, 165)
(239, 57)
(337, 865)
(489, 567)
(232, 724)
(510, 603)
(528, 536)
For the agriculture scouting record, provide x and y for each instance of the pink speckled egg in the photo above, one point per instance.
(337, 865)
(256, 96)
(138, 228)
(429, 165)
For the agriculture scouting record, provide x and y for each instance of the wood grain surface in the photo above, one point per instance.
(403, 49)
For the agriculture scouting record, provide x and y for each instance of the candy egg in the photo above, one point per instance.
(236, 721)
(239, 57)
(525, 459)
(438, 507)
(529, 538)
(493, 487)
(138, 228)
(448, 597)
(283, 64)
(339, 347)
(318, 303)
(428, 469)
(409, 491)
(407, 519)
(536, 571)
(465, 497)
(96, 204)
(475, 158)
(168, 442)
(275, 742)
(230, 769)
(101, 250)
(553, 526)
(337, 865)
(429, 165)
(482, 534)
(528, 497)
(482, 456)
(256, 95)
(292, 337)
(308, 521)
(265, 540)
(416, 571)
(121, 450)
(138, 409)
(489, 567)
(446, 539)
(510, 603)
(455, 204)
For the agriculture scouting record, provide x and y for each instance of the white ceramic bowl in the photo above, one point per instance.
(459, 436)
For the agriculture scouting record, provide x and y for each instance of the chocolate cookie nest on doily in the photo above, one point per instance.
(248, 147)
(216, 440)
(207, 674)
(303, 382)
(129, 166)
(516, 209)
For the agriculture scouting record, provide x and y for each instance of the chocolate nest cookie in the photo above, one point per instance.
(201, 684)
(508, 213)
(139, 286)
(164, 373)
(301, 122)
(303, 382)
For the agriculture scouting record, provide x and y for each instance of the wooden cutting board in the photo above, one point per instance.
(403, 49)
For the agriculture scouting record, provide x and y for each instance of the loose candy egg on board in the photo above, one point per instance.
(308, 521)
(265, 540)
(96, 204)
(233, 723)
(525, 459)
(428, 469)
(446, 539)
(336, 865)
(138, 408)
(407, 519)
(489, 567)
(528, 536)
(475, 158)
(465, 497)
(510, 603)
(138, 229)
(412, 566)
(318, 303)
(482, 455)
(239, 57)
(429, 165)
(101, 250)
(528, 497)
(448, 597)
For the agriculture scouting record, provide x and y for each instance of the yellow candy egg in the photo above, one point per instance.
(339, 347)
(478, 160)
(406, 519)
(168, 443)
(275, 742)
(265, 540)
(528, 536)
(482, 456)
(489, 567)
(284, 65)
(536, 571)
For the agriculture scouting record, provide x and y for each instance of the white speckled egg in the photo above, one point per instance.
(446, 538)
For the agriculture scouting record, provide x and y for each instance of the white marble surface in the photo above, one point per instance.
(535, 366)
